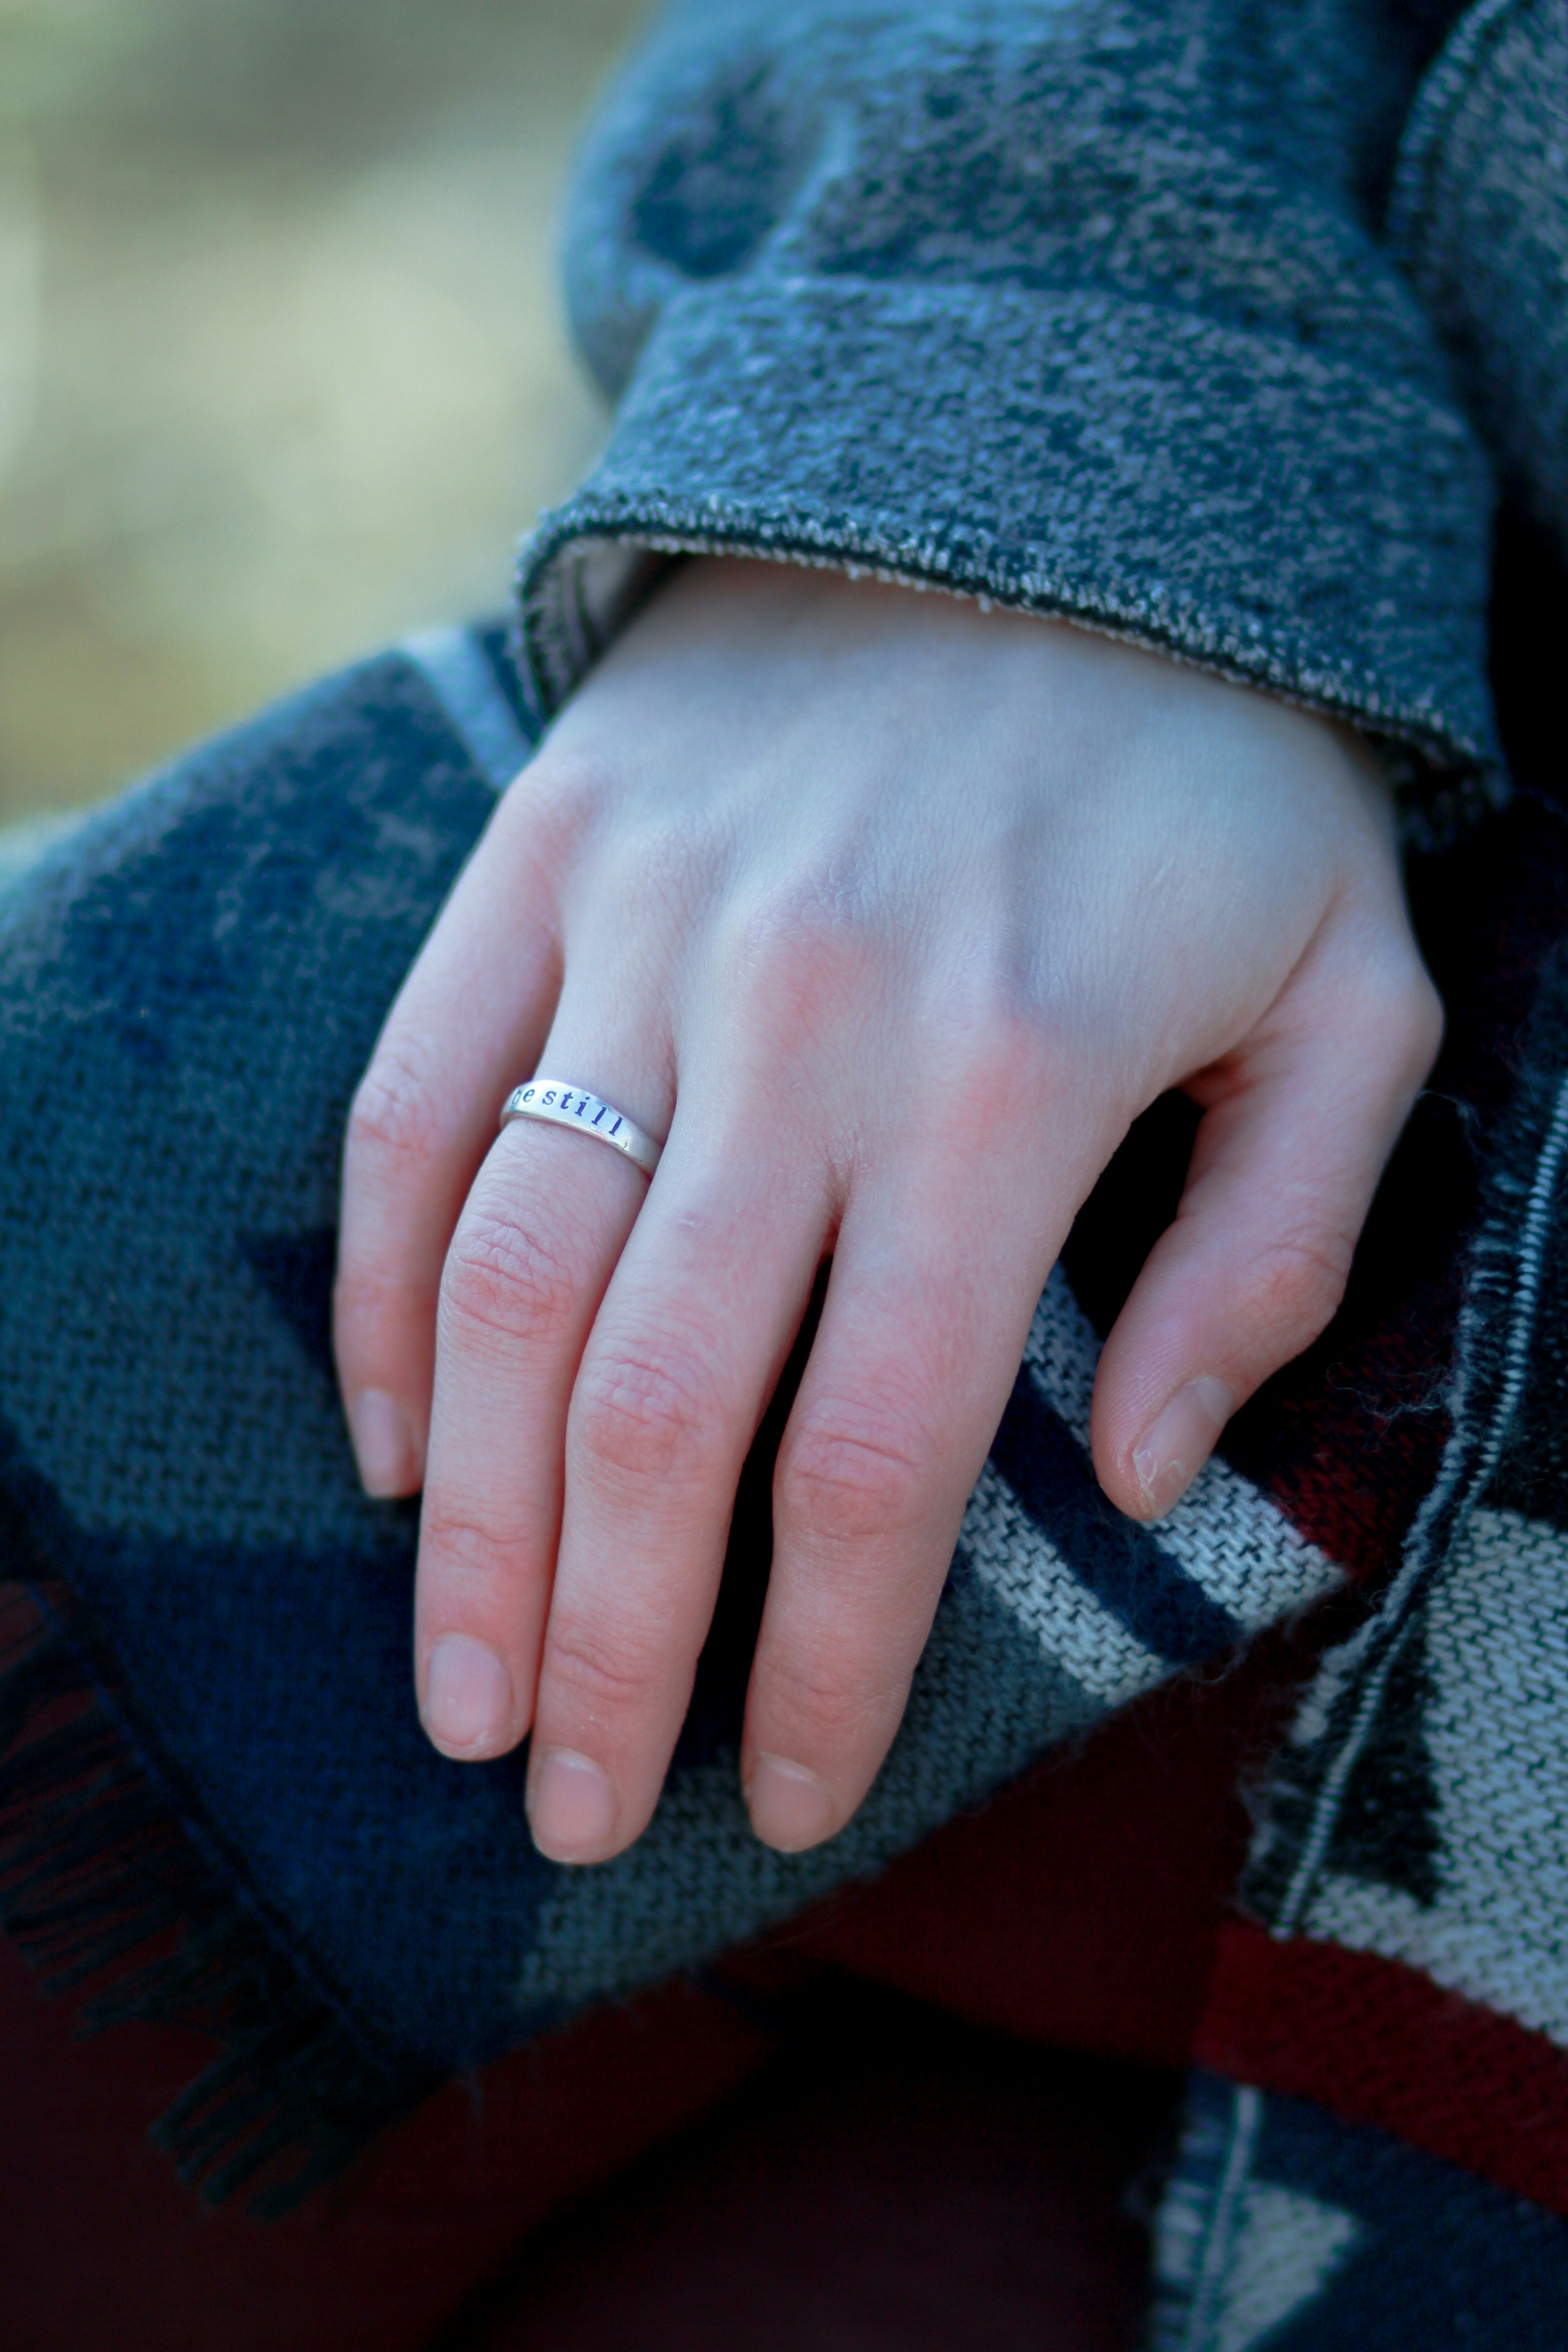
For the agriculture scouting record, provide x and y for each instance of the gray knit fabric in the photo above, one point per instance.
(1482, 211)
(1079, 307)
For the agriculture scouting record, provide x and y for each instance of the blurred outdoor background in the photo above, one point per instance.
(282, 372)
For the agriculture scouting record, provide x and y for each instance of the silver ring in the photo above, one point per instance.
(554, 1102)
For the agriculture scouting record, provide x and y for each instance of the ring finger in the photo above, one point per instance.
(534, 1249)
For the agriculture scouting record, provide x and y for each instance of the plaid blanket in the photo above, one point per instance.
(216, 1798)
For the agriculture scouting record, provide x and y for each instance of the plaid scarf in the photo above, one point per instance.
(216, 1792)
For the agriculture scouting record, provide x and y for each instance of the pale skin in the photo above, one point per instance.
(891, 915)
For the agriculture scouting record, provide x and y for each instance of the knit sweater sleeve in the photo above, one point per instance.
(1480, 216)
(1081, 306)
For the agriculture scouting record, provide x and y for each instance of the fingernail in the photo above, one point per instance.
(790, 1808)
(571, 1806)
(1180, 1439)
(468, 1697)
(383, 1445)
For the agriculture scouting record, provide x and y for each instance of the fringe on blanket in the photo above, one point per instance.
(106, 1894)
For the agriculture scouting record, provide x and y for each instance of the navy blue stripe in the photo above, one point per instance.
(1120, 1563)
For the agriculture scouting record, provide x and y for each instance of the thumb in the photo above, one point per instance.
(1299, 1123)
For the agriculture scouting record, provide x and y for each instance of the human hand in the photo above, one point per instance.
(893, 915)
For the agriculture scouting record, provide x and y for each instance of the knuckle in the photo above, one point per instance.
(670, 860)
(566, 796)
(831, 1708)
(1006, 1064)
(651, 871)
(508, 1277)
(645, 1416)
(1300, 1280)
(395, 1124)
(454, 1542)
(595, 1672)
(796, 956)
(850, 1478)
(372, 1300)
(1396, 1008)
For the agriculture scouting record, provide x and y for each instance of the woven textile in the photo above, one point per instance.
(1377, 2148)
(191, 985)
(216, 1794)
(1289, 2229)
(1404, 1962)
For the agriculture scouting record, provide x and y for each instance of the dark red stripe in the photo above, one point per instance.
(1379, 2044)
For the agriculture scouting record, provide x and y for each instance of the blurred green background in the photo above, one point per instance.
(281, 366)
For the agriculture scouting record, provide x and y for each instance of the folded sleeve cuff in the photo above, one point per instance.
(1282, 517)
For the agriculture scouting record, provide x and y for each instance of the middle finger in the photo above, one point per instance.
(685, 1352)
